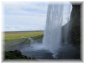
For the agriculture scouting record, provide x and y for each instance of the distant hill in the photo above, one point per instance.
(25, 31)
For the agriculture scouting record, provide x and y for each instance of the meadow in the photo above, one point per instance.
(13, 39)
(12, 36)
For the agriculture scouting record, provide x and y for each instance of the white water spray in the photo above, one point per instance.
(58, 15)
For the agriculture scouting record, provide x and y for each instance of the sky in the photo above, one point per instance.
(28, 16)
(25, 16)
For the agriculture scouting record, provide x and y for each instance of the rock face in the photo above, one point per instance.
(75, 29)
(74, 26)
(73, 36)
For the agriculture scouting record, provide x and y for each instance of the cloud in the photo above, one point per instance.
(25, 15)
(28, 15)
(24, 8)
(22, 28)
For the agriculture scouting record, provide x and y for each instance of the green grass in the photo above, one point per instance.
(12, 39)
(14, 36)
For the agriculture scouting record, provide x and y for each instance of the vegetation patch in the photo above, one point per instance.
(15, 55)
(14, 36)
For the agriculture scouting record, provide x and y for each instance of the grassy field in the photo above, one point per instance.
(10, 36)
(13, 39)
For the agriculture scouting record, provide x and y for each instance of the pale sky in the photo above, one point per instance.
(22, 16)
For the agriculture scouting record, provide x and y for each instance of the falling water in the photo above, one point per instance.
(56, 18)
(58, 15)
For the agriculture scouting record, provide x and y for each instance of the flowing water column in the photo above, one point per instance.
(66, 21)
(52, 34)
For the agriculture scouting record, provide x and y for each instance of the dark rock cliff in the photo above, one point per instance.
(73, 27)
(71, 33)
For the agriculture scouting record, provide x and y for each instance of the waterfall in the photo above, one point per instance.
(56, 18)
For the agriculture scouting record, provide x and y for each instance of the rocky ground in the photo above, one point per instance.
(69, 52)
